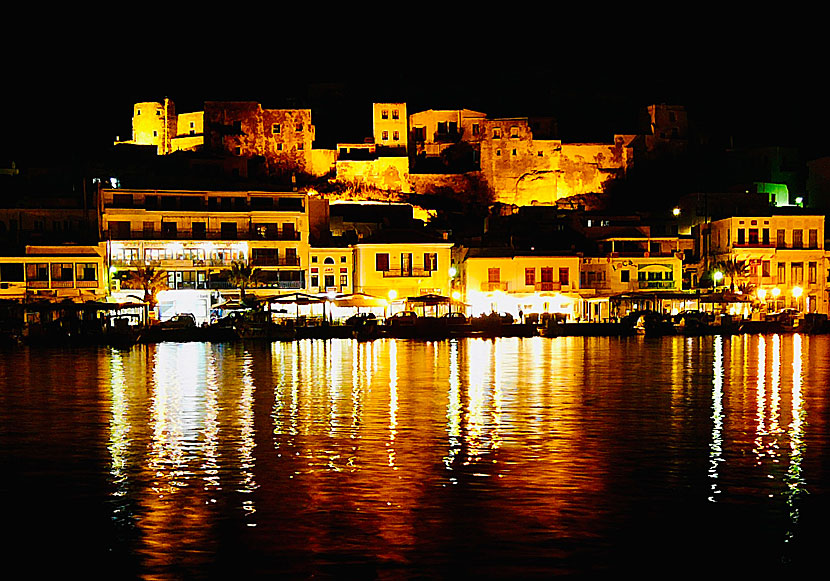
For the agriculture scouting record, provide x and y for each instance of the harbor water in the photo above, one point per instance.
(509, 458)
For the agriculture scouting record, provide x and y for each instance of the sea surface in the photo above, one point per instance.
(501, 458)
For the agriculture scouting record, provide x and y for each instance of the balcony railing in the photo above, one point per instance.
(45, 284)
(548, 286)
(656, 284)
(208, 235)
(224, 285)
(412, 272)
(286, 261)
(493, 286)
(176, 262)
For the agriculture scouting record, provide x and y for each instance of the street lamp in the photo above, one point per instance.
(797, 292)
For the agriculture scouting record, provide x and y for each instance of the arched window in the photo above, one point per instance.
(328, 260)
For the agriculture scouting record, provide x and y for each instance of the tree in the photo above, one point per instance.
(242, 276)
(150, 280)
(733, 268)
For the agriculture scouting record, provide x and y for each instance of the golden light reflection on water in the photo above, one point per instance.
(373, 429)
(716, 445)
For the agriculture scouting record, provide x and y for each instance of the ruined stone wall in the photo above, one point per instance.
(523, 171)
(284, 137)
(385, 173)
(155, 124)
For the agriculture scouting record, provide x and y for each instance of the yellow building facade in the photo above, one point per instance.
(76, 273)
(404, 269)
(786, 262)
(494, 281)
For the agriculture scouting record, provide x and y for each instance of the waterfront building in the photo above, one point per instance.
(633, 272)
(55, 273)
(399, 264)
(196, 236)
(331, 269)
(782, 257)
(504, 280)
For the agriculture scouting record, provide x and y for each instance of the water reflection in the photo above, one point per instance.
(337, 445)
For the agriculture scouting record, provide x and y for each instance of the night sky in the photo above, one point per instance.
(70, 90)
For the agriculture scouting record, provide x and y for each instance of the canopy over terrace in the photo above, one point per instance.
(435, 301)
(673, 302)
(360, 300)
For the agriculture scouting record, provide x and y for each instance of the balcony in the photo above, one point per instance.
(294, 236)
(285, 261)
(406, 273)
(548, 286)
(493, 286)
(175, 263)
(656, 284)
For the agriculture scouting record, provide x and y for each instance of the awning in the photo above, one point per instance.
(360, 300)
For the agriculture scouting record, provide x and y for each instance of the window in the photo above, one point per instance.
(314, 280)
(797, 240)
(299, 128)
(625, 275)
(430, 261)
(765, 270)
(530, 276)
(384, 135)
(394, 113)
(514, 152)
(343, 258)
(564, 276)
(797, 271)
(158, 112)
(62, 271)
(228, 230)
(328, 260)
(11, 272)
(540, 154)
(811, 272)
(547, 274)
(344, 279)
(514, 132)
(493, 275)
(38, 272)
(442, 127)
(779, 239)
(813, 238)
(396, 135)
(276, 128)
(313, 260)
(86, 272)
(496, 133)
(382, 261)
(279, 147)
(149, 229)
(475, 128)
(498, 153)
(419, 133)
(291, 258)
(168, 230)
(765, 236)
(155, 133)
(384, 114)
(782, 273)
(300, 146)
(199, 230)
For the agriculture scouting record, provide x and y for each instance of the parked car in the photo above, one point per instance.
(180, 321)
(403, 318)
(454, 319)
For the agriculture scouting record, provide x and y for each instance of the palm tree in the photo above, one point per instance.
(242, 276)
(151, 281)
(733, 268)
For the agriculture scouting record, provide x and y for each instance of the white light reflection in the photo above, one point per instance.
(210, 465)
(453, 409)
(761, 401)
(247, 442)
(119, 431)
(393, 400)
(716, 446)
(794, 479)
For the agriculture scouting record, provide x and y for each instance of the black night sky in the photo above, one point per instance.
(70, 90)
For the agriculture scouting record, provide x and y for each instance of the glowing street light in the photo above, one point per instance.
(392, 294)
(675, 211)
(775, 292)
(762, 293)
(797, 291)
(718, 276)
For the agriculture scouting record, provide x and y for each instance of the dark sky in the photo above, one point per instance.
(71, 89)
